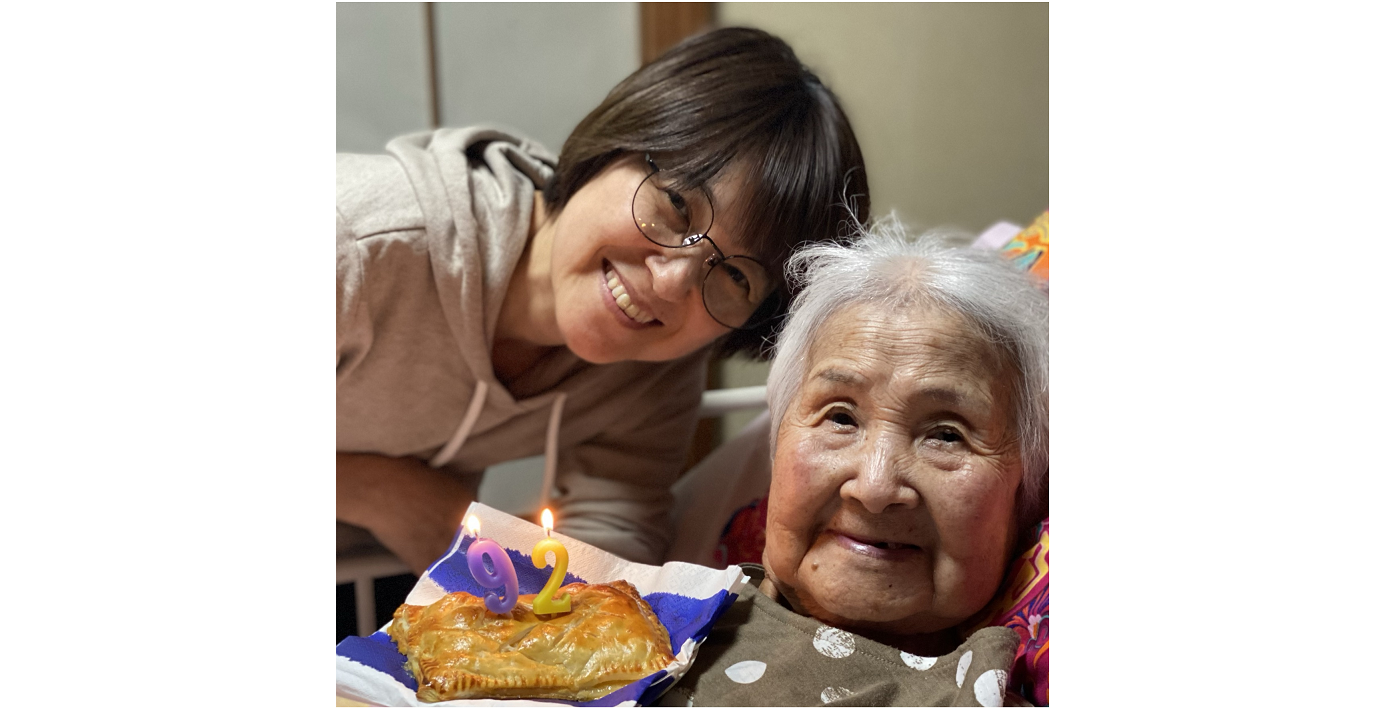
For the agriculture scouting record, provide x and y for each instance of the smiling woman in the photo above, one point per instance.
(493, 301)
(609, 291)
(892, 500)
(909, 437)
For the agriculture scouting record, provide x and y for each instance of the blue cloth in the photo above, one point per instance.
(684, 618)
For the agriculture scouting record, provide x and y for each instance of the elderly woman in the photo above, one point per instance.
(909, 434)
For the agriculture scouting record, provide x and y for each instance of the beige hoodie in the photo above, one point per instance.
(427, 239)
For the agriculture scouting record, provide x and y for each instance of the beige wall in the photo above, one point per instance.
(949, 102)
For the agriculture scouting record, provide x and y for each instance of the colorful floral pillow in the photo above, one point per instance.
(1029, 249)
(1022, 605)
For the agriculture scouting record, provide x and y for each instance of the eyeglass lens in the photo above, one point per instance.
(734, 286)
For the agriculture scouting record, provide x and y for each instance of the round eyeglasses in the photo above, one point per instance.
(735, 285)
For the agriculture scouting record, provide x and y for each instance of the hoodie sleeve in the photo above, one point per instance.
(351, 309)
(374, 204)
(614, 490)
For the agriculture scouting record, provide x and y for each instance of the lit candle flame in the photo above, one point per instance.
(473, 525)
(547, 521)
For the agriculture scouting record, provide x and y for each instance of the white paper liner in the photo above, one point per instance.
(360, 664)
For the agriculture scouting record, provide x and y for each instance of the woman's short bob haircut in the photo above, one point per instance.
(995, 298)
(733, 97)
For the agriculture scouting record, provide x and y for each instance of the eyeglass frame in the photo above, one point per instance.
(716, 258)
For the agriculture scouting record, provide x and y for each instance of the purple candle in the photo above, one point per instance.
(495, 573)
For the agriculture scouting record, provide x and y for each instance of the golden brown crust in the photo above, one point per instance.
(456, 649)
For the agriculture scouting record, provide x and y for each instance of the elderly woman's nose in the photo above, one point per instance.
(880, 483)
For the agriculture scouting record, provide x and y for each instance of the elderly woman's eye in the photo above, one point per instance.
(842, 418)
(947, 435)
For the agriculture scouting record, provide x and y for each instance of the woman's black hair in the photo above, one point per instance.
(734, 96)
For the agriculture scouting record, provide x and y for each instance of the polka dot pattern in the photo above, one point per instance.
(746, 671)
(834, 643)
(962, 666)
(833, 694)
(918, 662)
(990, 688)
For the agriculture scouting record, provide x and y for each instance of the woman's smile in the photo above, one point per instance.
(898, 552)
(621, 303)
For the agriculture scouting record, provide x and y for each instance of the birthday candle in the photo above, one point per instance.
(545, 602)
(497, 572)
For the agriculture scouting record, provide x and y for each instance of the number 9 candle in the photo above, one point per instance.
(545, 602)
(496, 573)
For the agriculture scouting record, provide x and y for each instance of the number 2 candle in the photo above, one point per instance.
(496, 573)
(545, 602)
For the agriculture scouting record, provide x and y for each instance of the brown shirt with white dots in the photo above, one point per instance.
(760, 653)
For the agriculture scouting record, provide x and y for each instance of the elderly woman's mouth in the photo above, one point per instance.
(876, 548)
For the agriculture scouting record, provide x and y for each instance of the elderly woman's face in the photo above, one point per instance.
(893, 493)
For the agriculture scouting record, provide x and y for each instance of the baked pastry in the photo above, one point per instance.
(457, 649)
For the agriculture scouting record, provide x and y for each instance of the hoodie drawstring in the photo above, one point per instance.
(462, 433)
(552, 438)
(552, 447)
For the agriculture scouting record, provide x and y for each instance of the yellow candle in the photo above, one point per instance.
(545, 602)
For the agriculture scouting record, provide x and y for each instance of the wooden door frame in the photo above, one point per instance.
(664, 24)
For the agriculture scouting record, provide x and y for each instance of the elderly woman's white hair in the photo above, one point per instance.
(883, 265)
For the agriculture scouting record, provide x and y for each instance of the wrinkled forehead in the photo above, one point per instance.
(872, 345)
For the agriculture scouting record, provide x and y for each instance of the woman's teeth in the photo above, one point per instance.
(624, 301)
